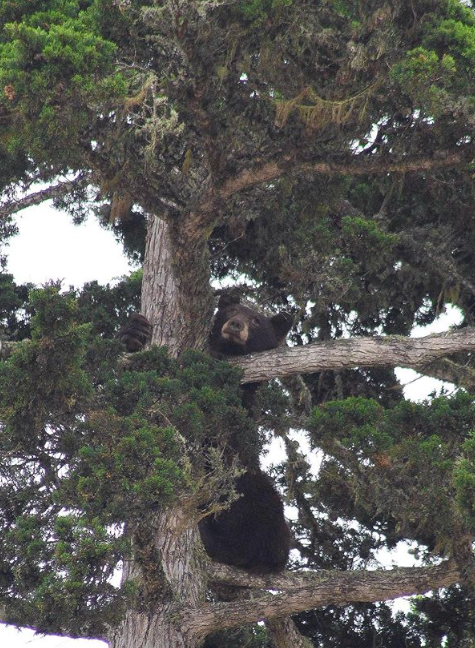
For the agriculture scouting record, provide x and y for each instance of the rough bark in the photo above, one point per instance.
(307, 591)
(160, 300)
(166, 550)
(176, 297)
(392, 351)
(284, 634)
(166, 564)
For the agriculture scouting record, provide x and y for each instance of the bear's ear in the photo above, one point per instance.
(227, 299)
(282, 324)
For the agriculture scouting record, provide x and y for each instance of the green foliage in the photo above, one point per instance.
(445, 618)
(55, 62)
(435, 74)
(417, 446)
(425, 77)
(359, 626)
(255, 10)
(364, 236)
(162, 106)
(43, 379)
(464, 479)
(13, 320)
(108, 307)
(246, 637)
(354, 421)
(92, 448)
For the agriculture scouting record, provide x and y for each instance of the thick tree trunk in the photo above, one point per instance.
(160, 298)
(166, 564)
(176, 298)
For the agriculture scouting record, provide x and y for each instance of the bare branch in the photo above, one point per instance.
(299, 592)
(392, 351)
(54, 191)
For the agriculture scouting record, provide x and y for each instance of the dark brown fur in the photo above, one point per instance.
(252, 533)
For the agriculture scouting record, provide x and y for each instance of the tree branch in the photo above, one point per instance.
(444, 265)
(300, 592)
(450, 371)
(54, 191)
(60, 632)
(413, 353)
(375, 165)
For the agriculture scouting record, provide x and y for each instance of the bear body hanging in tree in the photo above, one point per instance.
(252, 532)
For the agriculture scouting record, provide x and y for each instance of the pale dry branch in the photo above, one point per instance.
(391, 351)
(300, 592)
(36, 198)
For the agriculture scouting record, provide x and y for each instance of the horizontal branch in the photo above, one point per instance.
(58, 631)
(425, 355)
(300, 592)
(336, 355)
(358, 165)
(54, 191)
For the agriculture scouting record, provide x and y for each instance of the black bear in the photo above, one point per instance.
(252, 533)
(238, 329)
(136, 333)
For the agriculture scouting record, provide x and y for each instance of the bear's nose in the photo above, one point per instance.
(235, 325)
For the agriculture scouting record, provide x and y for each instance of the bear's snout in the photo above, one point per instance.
(236, 330)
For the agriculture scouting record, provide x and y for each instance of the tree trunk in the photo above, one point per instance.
(166, 551)
(166, 564)
(176, 296)
(284, 634)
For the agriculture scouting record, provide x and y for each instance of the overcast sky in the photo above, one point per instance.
(49, 247)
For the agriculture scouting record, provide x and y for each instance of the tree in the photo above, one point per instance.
(320, 155)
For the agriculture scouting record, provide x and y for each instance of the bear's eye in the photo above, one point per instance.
(232, 311)
(256, 321)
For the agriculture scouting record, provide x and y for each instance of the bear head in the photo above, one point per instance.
(238, 329)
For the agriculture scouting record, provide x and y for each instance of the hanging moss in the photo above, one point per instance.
(319, 113)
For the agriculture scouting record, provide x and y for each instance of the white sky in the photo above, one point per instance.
(49, 246)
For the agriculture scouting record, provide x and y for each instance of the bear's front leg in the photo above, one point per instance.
(136, 333)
